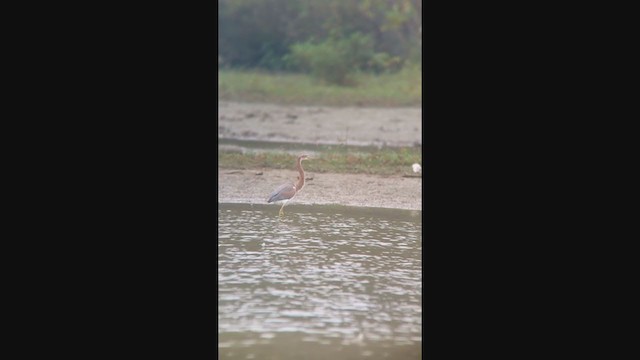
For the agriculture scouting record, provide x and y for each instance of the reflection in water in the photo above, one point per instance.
(321, 282)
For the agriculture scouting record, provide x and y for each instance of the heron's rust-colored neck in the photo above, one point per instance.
(300, 183)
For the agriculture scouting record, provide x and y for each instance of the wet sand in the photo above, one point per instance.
(244, 186)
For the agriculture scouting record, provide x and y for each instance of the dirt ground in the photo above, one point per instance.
(321, 125)
(354, 126)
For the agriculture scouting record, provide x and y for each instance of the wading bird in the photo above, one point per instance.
(286, 192)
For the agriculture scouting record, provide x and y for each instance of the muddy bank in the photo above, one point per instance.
(244, 186)
(320, 124)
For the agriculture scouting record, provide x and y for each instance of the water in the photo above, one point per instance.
(323, 282)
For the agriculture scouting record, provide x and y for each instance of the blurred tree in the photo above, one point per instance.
(335, 58)
(252, 33)
(262, 33)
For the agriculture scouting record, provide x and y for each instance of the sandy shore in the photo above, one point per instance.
(244, 186)
(322, 125)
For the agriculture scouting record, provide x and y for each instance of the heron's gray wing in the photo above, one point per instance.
(283, 192)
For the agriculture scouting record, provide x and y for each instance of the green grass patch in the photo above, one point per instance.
(385, 161)
(403, 88)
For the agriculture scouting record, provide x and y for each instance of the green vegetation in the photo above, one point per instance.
(331, 40)
(386, 161)
(403, 88)
(336, 59)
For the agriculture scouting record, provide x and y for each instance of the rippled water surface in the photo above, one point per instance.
(322, 282)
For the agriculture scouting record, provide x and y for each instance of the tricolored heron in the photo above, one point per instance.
(286, 192)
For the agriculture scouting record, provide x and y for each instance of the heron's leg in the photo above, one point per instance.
(282, 208)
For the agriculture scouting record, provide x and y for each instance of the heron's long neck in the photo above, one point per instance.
(300, 183)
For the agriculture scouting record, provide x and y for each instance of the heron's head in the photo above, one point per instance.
(303, 157)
